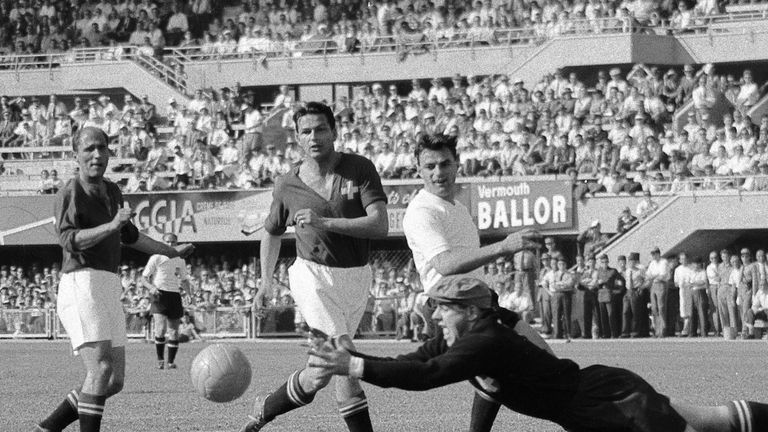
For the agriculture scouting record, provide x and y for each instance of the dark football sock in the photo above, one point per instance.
(484, 413)
(173, 348)
(286, 398)
(748, 416)
(160, 348)
(90, 408)
(64, 414)
(355, 413)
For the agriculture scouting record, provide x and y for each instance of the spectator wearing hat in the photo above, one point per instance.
(585, 312)
(699, 308)
(626, 221)
(543, 293)
(656, 276)
(635, 309)
(560, 283)
(646, 206)
(438, 90)
(592, 240)
(610, 294)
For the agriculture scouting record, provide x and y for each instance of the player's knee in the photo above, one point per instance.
(103, 370)
(313, 380)
(115, 385)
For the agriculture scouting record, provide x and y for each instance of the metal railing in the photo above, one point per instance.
(219, 322)
(430, 41)
(469, 38)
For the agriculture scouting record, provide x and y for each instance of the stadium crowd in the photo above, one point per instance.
(699, 293)
(615, 135)
(29, 27)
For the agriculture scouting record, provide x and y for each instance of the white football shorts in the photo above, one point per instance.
(331, 299)
(89, 307)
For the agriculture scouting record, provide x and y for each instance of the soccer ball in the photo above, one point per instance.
(221, 373)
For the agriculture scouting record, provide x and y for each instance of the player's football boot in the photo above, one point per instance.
(171, 366)
(39, 428)
(160, 364)
(256, 418)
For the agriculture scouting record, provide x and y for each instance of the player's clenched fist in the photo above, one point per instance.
(184, 250)
(523, 239)
(123, 216)
(308, 217)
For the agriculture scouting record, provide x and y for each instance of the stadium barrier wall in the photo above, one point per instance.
(25, 323)
(217, 323)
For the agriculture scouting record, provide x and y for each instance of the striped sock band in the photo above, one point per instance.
(160, 348)
(64, 414)
(296, 394)
(173, 348)
(355, 413)
(353, 405)
(72, 397)
(741, 416)
(90, 409)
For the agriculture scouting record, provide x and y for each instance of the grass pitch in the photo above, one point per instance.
(35, 376)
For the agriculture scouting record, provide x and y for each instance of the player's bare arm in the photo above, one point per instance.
(269, 250)
(87, 238)
(453, 262)
(371, 226)
(151, 246)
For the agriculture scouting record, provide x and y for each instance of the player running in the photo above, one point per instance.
(164, 277)
(507, 369)
(92, 223)
(336, 203)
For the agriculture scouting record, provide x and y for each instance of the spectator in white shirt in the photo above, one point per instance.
(518, 300)
(739, 163)
(749, 92)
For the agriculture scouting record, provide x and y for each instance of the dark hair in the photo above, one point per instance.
(436, 142)
(315, 108)
(79, 135)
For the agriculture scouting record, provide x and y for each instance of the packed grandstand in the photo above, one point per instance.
(641, 133)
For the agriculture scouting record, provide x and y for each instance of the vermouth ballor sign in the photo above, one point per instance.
(507, 205)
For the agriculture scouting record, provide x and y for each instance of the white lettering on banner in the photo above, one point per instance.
(486, 192)
(395, 217)
(395, 197)
(164, 218)
(521, 212)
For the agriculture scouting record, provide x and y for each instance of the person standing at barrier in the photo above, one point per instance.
(165, 277)
(674, 327)
(586, 300)
(750, 279)
(730, 274)
(656, 276)
(336, 203)
(92, 223)
(561, 282)
(713, 278)
(544, 295)
(699, 308)
(610, 293)
(635, 310)
(682, 279)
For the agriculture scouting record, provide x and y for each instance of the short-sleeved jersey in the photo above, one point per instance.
(75, 210)
(166, 273)
(356, 185)
(432, 226)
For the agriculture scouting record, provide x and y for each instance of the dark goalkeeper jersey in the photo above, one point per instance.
(497, 361)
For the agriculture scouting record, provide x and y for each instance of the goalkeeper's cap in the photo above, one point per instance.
(462, 290)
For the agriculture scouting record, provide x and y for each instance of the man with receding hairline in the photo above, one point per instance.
(92, 222)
